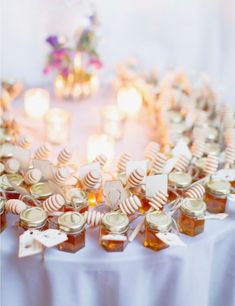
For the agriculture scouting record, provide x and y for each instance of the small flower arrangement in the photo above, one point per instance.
(76, 66)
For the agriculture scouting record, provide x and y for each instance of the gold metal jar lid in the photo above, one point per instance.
(41, 190)
(212, 148)
(159, 221)
(115, 222)
(179, 128)
(122, 177)
(193, 207)
(180, 179)
(33, 217)
(71, 222)
(6, 180)
(2, 204)
(212, 133)
(183, 137)
(76, 196)
(200, 163)
(175, 117)
(218, 187)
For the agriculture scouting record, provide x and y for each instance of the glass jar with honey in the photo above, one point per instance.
(73, 224)
(40, 191)
(212, 148)
(216, 195)
(3, 219)
(199, 166)
(95, 196)
(191, 217)
(76, 200)
(33, 218)
(7, 181)
(140, 192)
(113, 231)
(156, 222)
(178, 182)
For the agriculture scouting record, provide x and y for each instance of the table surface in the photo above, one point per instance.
(200, 274)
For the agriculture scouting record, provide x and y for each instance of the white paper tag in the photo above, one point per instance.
(171, 239)
(170, 165)
(225, 174)
(28, 245)
(221, 216)
(23, 156)
(156, 183)
(114, 237)
(230, 204)
(51, 237)
(181, 148)
(136, 164)
(114, 193)
(45, 167)
(84, 170)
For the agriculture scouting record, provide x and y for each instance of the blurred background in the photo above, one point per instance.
(195, 35)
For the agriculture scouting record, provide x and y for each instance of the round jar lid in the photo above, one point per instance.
(159, 221)
(193, 207)
(71, 222)
(122, 177)
(7, 179)
(76, 195)
(2, 204)
(218, 187)
(180, 179)
(41, 190)
(115, 222)
(179, 128)
(212, 133)
(33, 217)
(175, 117)
(200, 163)
(212, 149)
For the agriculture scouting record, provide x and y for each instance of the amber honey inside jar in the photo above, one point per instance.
(77, 200)
(140, 192)
(179, 182)
(95, 196)
(156, 222)
(73, 224)
(191, 217)
(3, 219)
(33, 218)
(216, 195)
(113, 231)
(199, 167)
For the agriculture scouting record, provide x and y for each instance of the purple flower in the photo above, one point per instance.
(53, 41)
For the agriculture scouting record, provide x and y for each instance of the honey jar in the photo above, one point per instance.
(212, 134)
(212, 148)
(41, 191)
(7, 180)
(2, 214)
(73, 224)
(33, 218)
(140, 192)
(191, 217)
(76, 200)
(113, 231)
(216, 195)
(95, 196)
(178, 181)
(199, 166)
(156, 222)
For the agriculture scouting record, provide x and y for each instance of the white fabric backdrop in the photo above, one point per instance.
(197, 35)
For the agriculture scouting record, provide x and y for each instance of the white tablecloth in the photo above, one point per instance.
(201, 274)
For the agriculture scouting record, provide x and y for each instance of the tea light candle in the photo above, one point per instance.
(57, 125)
(129, 101)
(36, 102)
(113, 121)
(94, 83)
(59, 86)
(100, 144)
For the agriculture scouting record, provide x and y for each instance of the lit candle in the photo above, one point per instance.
(57, 125)
(94, 83)
(77, 62)
(100, 144)
(129, 101)
(113, 121)
(36, 102)
(59, 86)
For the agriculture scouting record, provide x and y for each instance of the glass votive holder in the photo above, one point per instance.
(113, 121)
(36, 102)
(57, 125)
